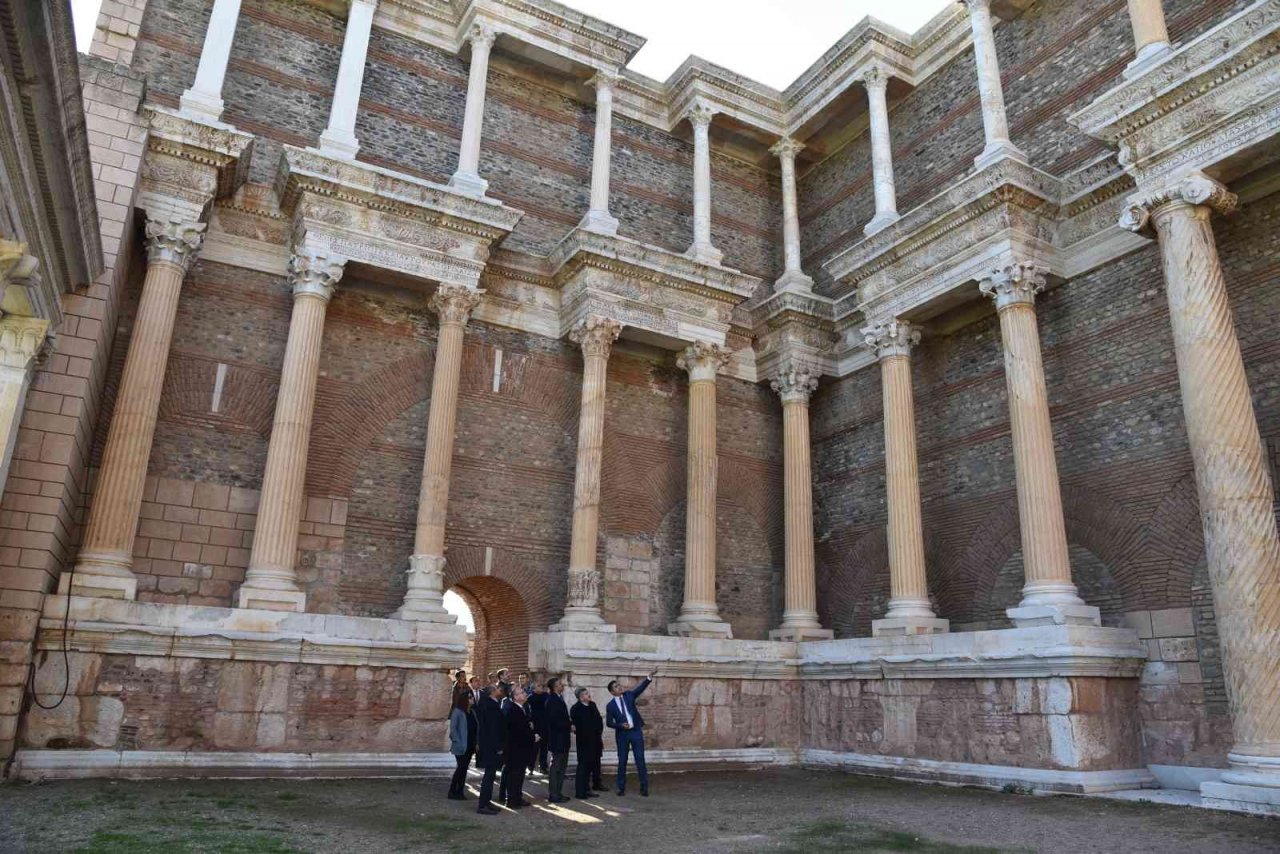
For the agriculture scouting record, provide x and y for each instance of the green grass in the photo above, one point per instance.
(157, 842)
(837, 834)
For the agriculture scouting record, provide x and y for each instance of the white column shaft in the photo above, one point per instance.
(467, 177)
(990, 89)
(886, 192)
(204, 98)
(790, 215)
(701, 184)
(598, 217)
(339, 138)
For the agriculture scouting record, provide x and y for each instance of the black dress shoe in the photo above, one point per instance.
(488, 809)
(519, 805)
(644, 791)
(621, 792)
(454, 797)
(597, 787)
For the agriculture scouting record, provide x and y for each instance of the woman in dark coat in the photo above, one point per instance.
(462, 741)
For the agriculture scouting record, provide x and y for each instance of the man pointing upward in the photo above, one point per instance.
(622, 716)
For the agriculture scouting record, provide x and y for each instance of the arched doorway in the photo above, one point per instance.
(501, 621)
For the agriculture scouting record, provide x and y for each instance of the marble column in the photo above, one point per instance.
(1049, 596)
(910, 612)
(990, 89)
(204, 99)
(466, 179)
(598, 218)
(104, 565)
(595, 335)
(699, 614)
(793, 278)
(1150, 35)
(271, 582)
(1232, 481)
(21, 340)
(794, 383)
(423, 598)
(339, 138)
(699, 116)
(876, 80)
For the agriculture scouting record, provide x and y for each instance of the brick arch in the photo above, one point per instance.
(1174, 545)
(501, 623)
(853, 582)
(514, 599)
(979, 561)
(641, 481)
(247, 402)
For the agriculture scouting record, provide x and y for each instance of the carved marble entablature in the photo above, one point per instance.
(188, 164)
(795, 327)
(1009, 209)
(1213, 99)
(645, 287)
(395, 222)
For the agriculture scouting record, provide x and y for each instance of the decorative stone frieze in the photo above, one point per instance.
(188, 164)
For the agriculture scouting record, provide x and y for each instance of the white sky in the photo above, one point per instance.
(454, 604)
(770, 41)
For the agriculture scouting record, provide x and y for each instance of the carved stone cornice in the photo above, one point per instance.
(703, 360)
(189, 163)
(21, 340)
(1015, 284)
(1212, 99)
(890, 338)
(173, 241)
(795, 381)
(1195, 188)
(595, 335)
(454, 303)
(315, 274)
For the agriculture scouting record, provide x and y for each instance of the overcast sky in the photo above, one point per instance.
(771, 41)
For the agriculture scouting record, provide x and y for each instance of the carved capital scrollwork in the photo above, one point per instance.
(891, 337)
(481, 37)
(875, 76)
(786, 148)
(700, 114)
(795, 381)
(703, 361)
(1194, 188)
(315, 274)
(21, 340)
(1015, 284)
(595, 335)
(173, 241)
(454, 303)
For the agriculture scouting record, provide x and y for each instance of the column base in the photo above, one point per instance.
(469, 184)
(1147, 58)
(799, 634)
(582, 619)
(794, 281)
(1025, 616)
(340, 145)
(264, 599)
(704, 253)
(201, 106)
(424, 598)
(997, 151)
(1251, 784)
(700, 626)
(902, 626)
(599, 222)
(102, 575)
(880, 222)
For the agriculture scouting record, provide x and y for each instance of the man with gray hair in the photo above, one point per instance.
(589, 728)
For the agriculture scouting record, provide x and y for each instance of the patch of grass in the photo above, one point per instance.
(439, 828)
(841, 835)
(155, 842)
(286, 797)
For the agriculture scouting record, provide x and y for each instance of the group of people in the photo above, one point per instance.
(513, 728)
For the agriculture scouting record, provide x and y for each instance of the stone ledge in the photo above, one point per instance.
(1037, 652)
(117, 626)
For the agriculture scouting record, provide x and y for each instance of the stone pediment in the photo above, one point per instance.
(388, 220)
(645, 287)
(1211, 100)
(190, 163)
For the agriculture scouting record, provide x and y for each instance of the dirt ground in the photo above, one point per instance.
(774, 810)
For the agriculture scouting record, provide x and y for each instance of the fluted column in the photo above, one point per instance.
(596, 336)
(339, 138)
(204, 99)
(466, 179)
(1150, 35)
(699, 614)
(1049, 596)
(910, 612)
(423, 598)
(876, 80)
(271, 582)
(598, 218)
(990, 89)
(104, 565)
(700, 115)
(795, 382)
(1232, 480)
(793, 278)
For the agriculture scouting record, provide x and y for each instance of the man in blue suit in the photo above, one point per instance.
(622, 716)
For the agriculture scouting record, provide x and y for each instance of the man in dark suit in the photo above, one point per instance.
(537, 710)
(555, 737)
(491, 742)
(588, 726)
(624, 719)
(522, 744)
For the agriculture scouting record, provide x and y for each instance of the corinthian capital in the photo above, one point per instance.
(595, 335)
(702, 360)
(891, 337)
(786, 148)
(794, 381)
(173, 241)
(481, 36)
(454, 303)
(1015, 284)
(21, 339)
(1194, 188)
(700, 114)
(315, 274)
(977, 6)
(604, 80)
(875, 76)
